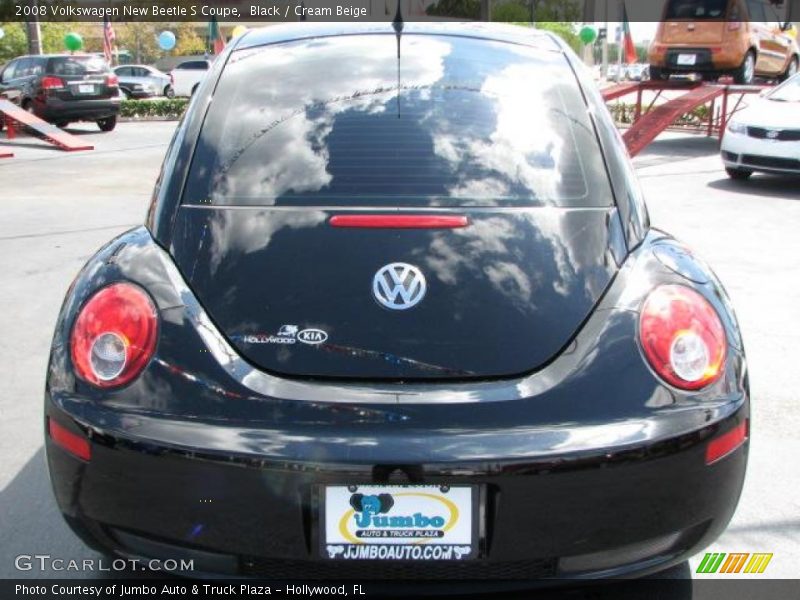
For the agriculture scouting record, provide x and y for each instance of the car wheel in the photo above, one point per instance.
(791, 69)
(107, 124)
(659, 74)
(746, 72)
(169, 92)
(738, 174)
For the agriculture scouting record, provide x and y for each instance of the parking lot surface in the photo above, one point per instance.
(57, 208)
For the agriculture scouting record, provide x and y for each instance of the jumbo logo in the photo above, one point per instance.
(312, 336)
(372, 516)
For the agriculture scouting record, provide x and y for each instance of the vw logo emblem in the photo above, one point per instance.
(399, 286)
(772, 134)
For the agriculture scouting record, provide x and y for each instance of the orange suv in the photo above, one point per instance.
(742, 38)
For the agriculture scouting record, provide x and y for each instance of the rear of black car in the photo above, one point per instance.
(76, 88)
(282, 396)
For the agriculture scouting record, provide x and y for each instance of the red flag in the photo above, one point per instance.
(629, 48)
(216, 42)
(109, 37)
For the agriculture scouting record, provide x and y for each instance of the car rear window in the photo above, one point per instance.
(77, 65)
(344, 121)
(696, 9)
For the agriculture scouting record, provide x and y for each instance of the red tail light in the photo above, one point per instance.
(52, 83)
(114, 336)
(682, 337)
(112, 80)
(729, 441)
(400, 221)
(71, 442)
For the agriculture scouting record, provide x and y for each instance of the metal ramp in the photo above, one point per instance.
(650, 122)
(15, 117)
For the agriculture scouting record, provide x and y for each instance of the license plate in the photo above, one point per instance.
(399, 522)
(687, 59)
(85, 88)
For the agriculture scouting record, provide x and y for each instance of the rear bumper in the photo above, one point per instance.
(720, 60)
(603, 513)
(55, 109)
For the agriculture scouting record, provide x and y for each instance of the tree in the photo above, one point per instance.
(14, 42)
(565, 31)
(53, 36)
(462, 9)
(189, 41)
(140, 39)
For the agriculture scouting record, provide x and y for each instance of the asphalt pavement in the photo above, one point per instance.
(57, 208)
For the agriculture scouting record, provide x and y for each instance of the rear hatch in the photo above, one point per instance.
(84, 77)
(694, 22)
(496, 134)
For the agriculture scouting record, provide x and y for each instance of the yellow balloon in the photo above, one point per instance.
(238, 30)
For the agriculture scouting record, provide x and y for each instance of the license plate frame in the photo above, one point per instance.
(86, 88)
(687, 60)
(455, 538)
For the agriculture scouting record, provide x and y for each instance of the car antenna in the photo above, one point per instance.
(397, 25)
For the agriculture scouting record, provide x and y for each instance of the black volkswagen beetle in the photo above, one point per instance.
(397, 311)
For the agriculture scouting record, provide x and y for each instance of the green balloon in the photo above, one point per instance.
(588, 35)
(73, 41)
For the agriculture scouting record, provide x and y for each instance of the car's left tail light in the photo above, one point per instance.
(112, 80)
(682, 337)
(52, 83)
(114, 336)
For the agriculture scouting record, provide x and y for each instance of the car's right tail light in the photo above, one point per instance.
(114, 336)
(682, 337)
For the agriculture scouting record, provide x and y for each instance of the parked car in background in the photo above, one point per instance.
(742, 38)
(765, 136)
(637, 72)
(62, 88)
(188, 75)
(142, 81)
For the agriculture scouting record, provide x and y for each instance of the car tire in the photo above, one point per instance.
(738, 174)
(791, 69)
(169, 92)
(659, 74)
(107, 124)
(746, 72)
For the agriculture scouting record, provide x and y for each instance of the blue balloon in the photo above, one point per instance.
(166, 40)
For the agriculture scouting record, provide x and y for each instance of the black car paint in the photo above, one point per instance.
(586, 454)
(61, 105)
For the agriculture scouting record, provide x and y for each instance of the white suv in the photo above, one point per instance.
(188, 75)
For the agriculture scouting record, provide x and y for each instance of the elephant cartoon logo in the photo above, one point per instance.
(368, 506)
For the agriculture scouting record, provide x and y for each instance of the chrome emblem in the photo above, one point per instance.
(399, 286)
(772, 134)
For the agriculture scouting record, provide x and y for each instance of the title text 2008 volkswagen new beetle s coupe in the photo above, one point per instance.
(397, 310)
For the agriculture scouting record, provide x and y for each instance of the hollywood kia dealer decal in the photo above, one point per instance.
(386, 522)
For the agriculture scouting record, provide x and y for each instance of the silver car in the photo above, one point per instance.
(142, 81)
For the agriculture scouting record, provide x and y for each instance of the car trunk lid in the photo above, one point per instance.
(296, 295)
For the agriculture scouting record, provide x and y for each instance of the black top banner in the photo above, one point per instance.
(250, 11)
